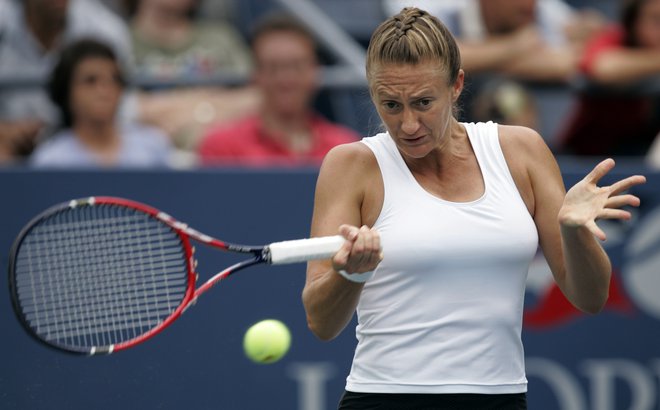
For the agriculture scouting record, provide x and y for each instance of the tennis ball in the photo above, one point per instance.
(267, 341)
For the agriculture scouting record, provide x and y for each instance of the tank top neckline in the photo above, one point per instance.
(419, 187)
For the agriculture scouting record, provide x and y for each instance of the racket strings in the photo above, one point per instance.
(99, 275)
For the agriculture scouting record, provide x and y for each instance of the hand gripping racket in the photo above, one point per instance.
(102, 274)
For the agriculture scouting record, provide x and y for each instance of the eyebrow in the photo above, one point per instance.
(424, 93)
(385, 95)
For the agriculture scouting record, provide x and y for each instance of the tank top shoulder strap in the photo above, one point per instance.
(392, 166)
(485, 141)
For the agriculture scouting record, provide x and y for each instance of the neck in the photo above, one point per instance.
(100, 137)
(292, 130)
(46, 29)
(453, 172)
(453, 145)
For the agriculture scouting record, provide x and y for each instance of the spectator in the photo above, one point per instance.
(86, 85)
(610, 119)
(505, 102)
(170, 43)
(286, 130)
(530, 39)
(32, 33)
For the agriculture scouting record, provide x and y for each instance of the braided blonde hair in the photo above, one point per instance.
(411, 37)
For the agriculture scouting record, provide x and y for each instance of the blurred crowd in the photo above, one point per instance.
(192, 83)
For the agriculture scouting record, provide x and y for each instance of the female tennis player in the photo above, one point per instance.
(458, 210)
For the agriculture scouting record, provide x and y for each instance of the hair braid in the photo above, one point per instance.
(410, 37)
(405, 20)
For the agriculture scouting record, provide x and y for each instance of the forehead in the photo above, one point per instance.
(281, 43)
(395, 78)
(95, 63)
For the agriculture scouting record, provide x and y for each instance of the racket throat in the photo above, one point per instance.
(222, 275)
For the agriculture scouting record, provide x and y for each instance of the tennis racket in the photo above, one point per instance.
(103, 274)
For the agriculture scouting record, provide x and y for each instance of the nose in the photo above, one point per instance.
(409, 122)
(107, 87)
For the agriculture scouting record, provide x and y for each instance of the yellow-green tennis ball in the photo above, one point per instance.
(267, 341)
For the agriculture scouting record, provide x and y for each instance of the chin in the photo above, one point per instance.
(289, 109)
(416, 152)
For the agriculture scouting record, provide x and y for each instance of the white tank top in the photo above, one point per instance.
(443, 311)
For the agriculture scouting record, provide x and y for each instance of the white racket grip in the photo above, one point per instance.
(302, 250)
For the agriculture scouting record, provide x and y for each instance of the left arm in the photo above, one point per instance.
(566, 222)
(585, 259)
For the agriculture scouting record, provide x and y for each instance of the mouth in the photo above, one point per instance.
(414, 141)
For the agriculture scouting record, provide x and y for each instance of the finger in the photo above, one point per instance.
(378, 247)
(357, 255)
(614, 214)
(374, 240)
(360, 241)
(600, 171)
(340, 259)
(627, 183)
(370, 252)
(596, 231)
(349, 232)
(373, 257)
(621, 201)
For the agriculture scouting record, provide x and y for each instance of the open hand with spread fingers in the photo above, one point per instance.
(587, 202)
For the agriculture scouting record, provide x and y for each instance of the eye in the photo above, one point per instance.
(424, 102)
(391, 105)
(90, 79)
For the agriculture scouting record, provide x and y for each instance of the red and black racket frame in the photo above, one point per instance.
(260, 255)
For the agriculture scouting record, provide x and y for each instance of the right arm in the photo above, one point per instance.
(522, 54)
(625, 65)
(494, 53)
(329, 299)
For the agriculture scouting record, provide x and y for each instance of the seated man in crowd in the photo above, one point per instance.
(172, 42)
(286, 130)
(32, 33)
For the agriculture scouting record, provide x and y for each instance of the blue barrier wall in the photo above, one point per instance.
(609, 361)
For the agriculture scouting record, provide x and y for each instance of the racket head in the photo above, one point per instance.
(100, 274)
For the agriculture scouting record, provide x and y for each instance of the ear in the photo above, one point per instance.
(457, 88)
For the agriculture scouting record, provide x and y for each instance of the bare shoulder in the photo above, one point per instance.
(529, 159)
(524, 147)
(350, 179)
(352, 151)
(521, 139)
(349, 160)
